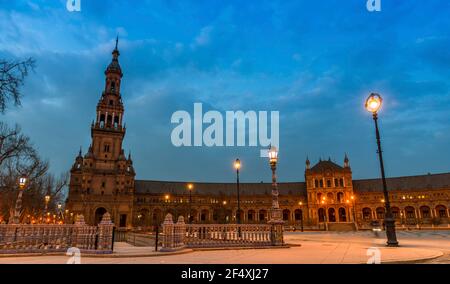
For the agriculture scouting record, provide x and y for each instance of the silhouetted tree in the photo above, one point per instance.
(12, 76)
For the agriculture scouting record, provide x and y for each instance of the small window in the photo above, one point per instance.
(111, 102)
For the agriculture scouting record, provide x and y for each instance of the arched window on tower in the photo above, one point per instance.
(116, 122)
(109, 121)
(102, 121)
(113, 86)
(316, 183)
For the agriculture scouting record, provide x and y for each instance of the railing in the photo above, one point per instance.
(218, 235)
(180, 235)
(18, 238)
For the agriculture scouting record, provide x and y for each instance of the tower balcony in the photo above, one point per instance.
(108, 127)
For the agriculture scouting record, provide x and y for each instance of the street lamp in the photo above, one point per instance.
(237, 166)
(324, 203)
(18, 209)
(373, 104)
(47, 200)
(301, 216)
(276, 218)
(190, 187)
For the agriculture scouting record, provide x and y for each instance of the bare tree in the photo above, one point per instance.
(12, 76)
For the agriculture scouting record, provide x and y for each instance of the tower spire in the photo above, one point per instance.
(117, 42)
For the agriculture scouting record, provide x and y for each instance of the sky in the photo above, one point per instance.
(313, 61)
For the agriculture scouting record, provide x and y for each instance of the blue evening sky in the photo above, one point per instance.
(313, 61)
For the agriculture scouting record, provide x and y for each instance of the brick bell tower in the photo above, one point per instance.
(103, 179)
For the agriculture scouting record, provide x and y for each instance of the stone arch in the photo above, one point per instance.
(99, 212)
(321, 214)
(331, 215)
(286, 215)
(441, 211)
(396, 212)
(340, 197)
(380, 212)
(251, 215)
(204, 216)
(342, 215)
(145, 218)
(319, 196)
(262, 215)
(330, 197)
(410, 212)
(425, 212)
(367, 213)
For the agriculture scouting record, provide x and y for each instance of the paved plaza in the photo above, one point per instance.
(306, 248)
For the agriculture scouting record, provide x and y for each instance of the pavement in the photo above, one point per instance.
(307, 248)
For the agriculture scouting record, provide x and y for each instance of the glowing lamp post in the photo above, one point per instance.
(373, 105)
(18, 209)
(276, 218)
(190, 187)
(237, 166)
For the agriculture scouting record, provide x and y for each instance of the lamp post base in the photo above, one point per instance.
(277, 224)
(390, 232)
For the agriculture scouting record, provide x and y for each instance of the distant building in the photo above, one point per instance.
(103, 180)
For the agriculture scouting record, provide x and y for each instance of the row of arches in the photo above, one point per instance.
(409, 212)
(331, 198)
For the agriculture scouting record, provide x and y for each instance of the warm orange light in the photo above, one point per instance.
(224, 202)
(273, 154)
(382, 200)
(22, 182)
(47, 198)
(323, 202)
(300, 203)
(348, 201)
(237, 164)
(373, 103)
(166, 197)
(352, 197)
(190, 186)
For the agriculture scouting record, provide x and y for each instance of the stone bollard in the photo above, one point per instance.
(105, 234)
(168, 234)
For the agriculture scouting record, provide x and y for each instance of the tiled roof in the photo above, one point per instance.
(326, 165)
(163, 187)
(412, 183)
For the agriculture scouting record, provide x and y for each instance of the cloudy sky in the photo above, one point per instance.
(313, 61)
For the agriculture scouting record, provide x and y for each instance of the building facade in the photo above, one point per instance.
(103, 180)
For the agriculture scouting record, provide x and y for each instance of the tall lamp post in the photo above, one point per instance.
(18, 209)
(354, 211)
(325, 224)
(301, 216)
(190, 187)
(276, 218)
(237, 166)
(373, 104)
